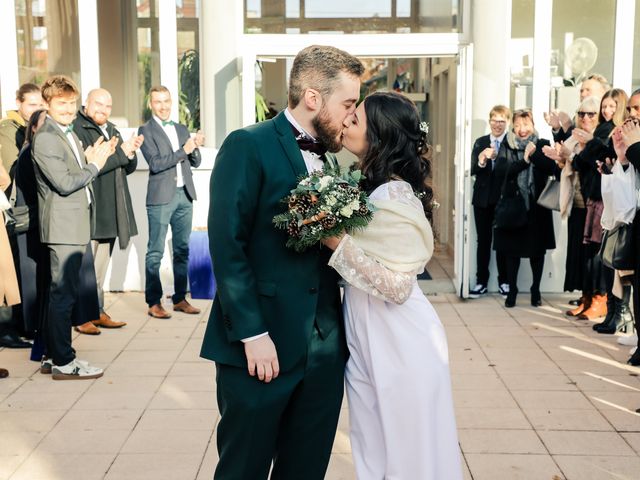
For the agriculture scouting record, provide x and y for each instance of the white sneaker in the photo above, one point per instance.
(628, 340)
(504, 289)
(76, 370)
(477, 291)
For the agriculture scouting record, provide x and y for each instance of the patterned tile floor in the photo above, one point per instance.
(537, 396)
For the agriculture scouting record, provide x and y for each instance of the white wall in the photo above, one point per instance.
(126, 272)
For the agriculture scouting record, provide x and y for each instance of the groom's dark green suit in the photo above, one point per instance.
(265, 287)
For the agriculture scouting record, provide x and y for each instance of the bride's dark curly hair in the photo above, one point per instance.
(398, 148)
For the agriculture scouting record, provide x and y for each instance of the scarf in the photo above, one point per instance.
(399, 237)
(525, 177)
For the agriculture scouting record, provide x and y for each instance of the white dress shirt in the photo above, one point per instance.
(171, 132)
(74, 147)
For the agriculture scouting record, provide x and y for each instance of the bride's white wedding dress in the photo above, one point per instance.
(398, 383)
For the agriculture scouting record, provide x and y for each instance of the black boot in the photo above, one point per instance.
(536, 299)
(609, 320)
(622, 318)
(510, 301)
(635, 358)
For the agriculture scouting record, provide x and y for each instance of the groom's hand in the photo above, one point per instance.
(262, 358)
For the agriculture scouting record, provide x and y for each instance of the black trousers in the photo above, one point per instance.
(513, 265)
(484, 228)
(65, 261)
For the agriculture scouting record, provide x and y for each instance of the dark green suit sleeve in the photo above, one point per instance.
(234, 192)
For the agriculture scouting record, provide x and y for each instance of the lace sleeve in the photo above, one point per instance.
(366, 274)
(401, 191)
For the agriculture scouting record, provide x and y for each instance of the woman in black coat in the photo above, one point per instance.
(522, 170)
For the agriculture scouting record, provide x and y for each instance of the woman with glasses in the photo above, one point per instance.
(522, 170)
(582, 150)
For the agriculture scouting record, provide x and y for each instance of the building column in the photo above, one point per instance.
(9, 76)
(168, 46)
(89, 46)
(491, 27)
(221, 31)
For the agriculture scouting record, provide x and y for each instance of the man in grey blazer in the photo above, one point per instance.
(170, 152)
(64, 174)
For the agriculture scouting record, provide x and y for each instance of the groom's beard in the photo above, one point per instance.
(326, 133)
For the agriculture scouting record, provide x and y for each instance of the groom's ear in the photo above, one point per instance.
(312, 99)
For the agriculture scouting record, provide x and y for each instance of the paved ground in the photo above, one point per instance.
(537, 397)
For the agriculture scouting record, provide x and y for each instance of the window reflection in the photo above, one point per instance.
(353, 16)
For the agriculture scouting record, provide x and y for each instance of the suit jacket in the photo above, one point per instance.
(262, 285)
(64, 212)
(163, 161)
(114, 212)
(486, 190)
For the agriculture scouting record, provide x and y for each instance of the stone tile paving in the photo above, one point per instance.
(538, 396)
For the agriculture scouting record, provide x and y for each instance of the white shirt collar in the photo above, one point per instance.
(294, 122)
(500, 138)
(157, 119)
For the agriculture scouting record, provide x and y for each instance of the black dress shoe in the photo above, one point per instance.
(11, 340)
(635, 358)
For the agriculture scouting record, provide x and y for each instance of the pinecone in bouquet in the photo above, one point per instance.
(323, 204)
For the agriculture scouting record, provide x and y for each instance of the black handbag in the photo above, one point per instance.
(18, 218)
(616, 249)
(511, 211)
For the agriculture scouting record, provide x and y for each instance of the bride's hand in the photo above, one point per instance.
(332, 242)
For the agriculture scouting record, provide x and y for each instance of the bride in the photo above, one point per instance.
(398, 383)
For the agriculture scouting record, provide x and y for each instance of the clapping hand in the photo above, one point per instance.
(581, 136)
(604, 168)
(552, 119)
(99, 152)
(565, 120)
(528, 150)
(132, 145)
(630, 132)
(485, 154)
(199, 138)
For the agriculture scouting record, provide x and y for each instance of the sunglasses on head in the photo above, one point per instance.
(588, 114)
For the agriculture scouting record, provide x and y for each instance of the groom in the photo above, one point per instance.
(275, 330)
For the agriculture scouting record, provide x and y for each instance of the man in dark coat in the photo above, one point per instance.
(114, 212)
(486, 192)
(170, 152)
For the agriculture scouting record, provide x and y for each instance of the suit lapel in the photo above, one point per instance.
(160, 133)
(54, 126)
(289, 145)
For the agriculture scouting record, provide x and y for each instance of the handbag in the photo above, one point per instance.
(17, 219)
(616, 249)
(550, 196)
(511, 211)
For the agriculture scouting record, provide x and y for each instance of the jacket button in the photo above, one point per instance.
(313, 290)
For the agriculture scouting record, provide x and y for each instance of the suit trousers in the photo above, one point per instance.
(102, 250)
(178, 214)
(291, 421)
(65, 261)
(484, 228)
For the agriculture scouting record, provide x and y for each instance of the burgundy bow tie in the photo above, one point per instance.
(308, 144)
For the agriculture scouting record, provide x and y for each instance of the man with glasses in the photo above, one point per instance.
(486, 193)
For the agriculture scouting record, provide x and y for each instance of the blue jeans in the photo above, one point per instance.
(177, 213)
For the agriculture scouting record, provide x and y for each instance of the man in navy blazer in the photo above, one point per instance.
(486, 193)
(170, 152)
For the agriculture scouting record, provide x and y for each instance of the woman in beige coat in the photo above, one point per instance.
(9, 293)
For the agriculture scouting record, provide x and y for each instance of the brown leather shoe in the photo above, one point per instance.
(157, 311)
(88, 329)
(186, 307)
(4, 373)
(105, 322)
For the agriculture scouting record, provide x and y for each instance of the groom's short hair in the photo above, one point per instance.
(318, 67)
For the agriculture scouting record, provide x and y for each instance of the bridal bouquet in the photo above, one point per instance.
(322, 205)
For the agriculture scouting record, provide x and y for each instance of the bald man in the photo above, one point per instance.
(114, 213)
